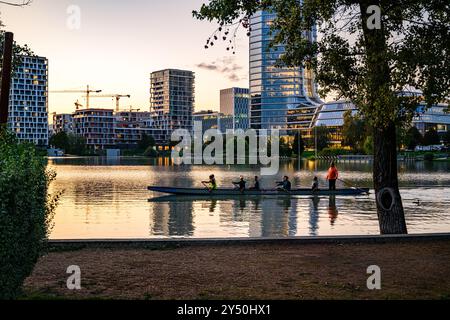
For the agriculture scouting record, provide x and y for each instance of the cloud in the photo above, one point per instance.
(226, 66)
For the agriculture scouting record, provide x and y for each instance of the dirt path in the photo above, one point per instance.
(326, 271)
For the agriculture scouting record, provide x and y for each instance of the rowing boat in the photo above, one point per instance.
(236, 192)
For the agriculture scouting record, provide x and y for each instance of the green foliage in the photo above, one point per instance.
(413, 138)
(285, 148)
(333, 152)
(354, 131)
(368, 145)
(431, 137)
(367, 66)
(322, 136)
(70, 143)
(428, 157)
(150, 152)
(26, 211)
(18, 52)
(298, 145)
(60, 140)
(146, 142)
(446, 138)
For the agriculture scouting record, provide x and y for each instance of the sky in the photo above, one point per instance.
(119, 43)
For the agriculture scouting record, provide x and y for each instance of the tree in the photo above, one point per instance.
(60, 140)
(322, 137)
(413, 138)
(299, 144)
(368, 145)
(76, 145)
(369, 52)
(431, 137)
(26, 211)
(146, 142)
(354, 131)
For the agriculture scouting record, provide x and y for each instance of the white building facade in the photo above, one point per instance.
(28, 102)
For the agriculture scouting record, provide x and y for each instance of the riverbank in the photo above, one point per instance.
(335, 270)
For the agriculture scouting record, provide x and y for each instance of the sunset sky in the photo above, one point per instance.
(120, 43)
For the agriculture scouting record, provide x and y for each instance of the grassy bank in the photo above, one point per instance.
(315, 271)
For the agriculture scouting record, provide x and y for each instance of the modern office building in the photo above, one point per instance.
(281, 98)
(331, 115)
(215, 120)
(63, 122)
(235, 102)
(28, 104)
(172, 98)
(436, 117)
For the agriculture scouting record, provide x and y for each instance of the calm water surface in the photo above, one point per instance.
(109, 199)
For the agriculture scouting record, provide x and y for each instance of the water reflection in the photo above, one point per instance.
(110, 200)
(332, 210)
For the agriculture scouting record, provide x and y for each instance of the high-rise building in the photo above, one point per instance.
(172, 99)
(96, 126)
(235, 102)
(28, 102)
(63, 122)
(281, 98)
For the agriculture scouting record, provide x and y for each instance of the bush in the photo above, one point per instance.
(428, 157)
(26, 211)
(151, 152)
(332, 152)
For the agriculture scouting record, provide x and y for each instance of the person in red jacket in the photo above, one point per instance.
(332, 176)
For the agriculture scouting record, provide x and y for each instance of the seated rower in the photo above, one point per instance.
(315, 184)
(256, 187)
(241, 184)
(284, 185)
(211, 184)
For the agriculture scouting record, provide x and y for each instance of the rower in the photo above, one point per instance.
(315, 184)
(211, 184)
(241, 184)
(284, 185)
(332, 176)
(256, 187)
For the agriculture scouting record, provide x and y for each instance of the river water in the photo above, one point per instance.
(108, 198)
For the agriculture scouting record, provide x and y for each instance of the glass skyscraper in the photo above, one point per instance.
(281, 98)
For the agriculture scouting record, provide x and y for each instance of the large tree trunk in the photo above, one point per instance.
(389, 202)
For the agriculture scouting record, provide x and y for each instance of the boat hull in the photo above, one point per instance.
(234, 192)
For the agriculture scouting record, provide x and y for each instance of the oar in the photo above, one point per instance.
(352, 186)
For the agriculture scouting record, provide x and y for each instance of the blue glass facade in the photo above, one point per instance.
(281, 98)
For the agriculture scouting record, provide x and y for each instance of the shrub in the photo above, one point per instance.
(26, 211)
(332, 152)
(428, 157)
(150, 152)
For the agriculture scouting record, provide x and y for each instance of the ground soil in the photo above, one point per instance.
(276, 271)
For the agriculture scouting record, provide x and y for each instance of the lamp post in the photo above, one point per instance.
(6, 77)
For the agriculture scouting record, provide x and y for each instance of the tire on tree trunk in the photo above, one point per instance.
(391, 215)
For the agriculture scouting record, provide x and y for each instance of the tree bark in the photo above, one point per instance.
(389, 202)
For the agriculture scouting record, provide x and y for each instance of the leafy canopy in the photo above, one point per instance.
(413, 55)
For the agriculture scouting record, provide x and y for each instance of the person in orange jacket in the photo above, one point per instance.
(332, 176)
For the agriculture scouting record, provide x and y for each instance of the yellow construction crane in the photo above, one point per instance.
(88, 92)
(116, 96)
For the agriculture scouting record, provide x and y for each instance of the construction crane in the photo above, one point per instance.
(88, 92)
(116, 96)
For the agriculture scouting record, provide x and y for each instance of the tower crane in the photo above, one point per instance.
(116, 96)
(88, 92)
